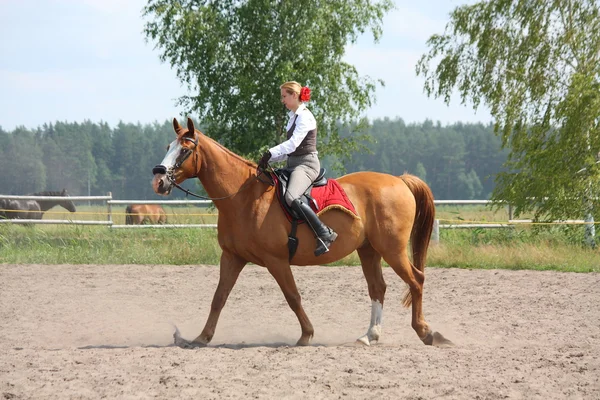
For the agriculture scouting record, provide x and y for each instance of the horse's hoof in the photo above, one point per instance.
(437, 339)
(440, 341)
(364, 340)
(304, 341)
(185, 344)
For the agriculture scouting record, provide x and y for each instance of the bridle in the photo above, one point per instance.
(188, 152)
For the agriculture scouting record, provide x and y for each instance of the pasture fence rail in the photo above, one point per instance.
(110, 202)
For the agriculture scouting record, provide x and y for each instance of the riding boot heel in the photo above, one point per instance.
(324, 242)
(322, 248)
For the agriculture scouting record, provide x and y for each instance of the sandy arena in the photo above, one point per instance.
(104, 331)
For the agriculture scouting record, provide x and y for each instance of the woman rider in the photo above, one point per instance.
(300, 150)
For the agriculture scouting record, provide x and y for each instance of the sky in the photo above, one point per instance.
(76, 60)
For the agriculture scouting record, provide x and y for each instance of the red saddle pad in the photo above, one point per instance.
(329, 196)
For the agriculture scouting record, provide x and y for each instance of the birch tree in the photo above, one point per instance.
(536, 65)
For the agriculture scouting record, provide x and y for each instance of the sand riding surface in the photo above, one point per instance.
(104, 331)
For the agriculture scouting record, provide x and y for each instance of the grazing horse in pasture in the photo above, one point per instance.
(138, 214)
(252, 227)
(34, 209)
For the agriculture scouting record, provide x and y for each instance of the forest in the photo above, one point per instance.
(458, 161)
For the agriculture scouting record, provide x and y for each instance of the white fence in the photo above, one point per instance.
(109, 202)
(58, 221)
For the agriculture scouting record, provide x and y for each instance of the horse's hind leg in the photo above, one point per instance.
(371, 266)
(401, 264)
(282, 273)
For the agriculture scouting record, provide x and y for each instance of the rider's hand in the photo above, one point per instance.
(264, 161)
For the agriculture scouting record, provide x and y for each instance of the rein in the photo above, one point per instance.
(187, 192)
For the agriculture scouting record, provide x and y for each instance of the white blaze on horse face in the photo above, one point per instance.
(174, 149)
(375, 326)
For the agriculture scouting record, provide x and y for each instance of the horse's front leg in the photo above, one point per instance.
(282, 273)
(230, 267)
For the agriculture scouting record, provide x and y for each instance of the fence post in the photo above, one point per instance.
(435, 234)
(510, 212)
(109, 208)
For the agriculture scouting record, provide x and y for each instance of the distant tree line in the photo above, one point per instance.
(458, 161)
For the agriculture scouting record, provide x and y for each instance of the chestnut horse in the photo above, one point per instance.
(138, 214)
(252, 228)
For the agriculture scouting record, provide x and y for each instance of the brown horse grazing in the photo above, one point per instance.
(252, 228)
(138, 214)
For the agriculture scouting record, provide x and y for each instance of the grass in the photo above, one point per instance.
(101, 245)
(524, 247)
(533, 256)
(454, 214)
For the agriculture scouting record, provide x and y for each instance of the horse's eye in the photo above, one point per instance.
(168, 147)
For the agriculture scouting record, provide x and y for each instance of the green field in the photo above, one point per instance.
(541, 247)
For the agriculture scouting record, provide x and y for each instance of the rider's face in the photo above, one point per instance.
(290, 100)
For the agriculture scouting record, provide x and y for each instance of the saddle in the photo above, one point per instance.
(281, 178)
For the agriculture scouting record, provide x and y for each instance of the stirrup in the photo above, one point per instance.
(323, 245)
(322, 248)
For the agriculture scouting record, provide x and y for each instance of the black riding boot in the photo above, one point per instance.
(325, 235)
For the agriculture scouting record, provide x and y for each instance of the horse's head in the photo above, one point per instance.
(177, 166)
(67, 204)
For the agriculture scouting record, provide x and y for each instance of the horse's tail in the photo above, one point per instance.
(128, 218)
(423, 225)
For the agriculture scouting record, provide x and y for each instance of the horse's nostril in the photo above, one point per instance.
(159, 169)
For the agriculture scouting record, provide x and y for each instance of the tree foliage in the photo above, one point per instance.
(458, 161)
(536, 65)
(233, 55)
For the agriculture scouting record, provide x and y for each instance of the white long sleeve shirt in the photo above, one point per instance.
(305, 122)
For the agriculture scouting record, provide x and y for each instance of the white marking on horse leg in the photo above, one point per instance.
(374, 330)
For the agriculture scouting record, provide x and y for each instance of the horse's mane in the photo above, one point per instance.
(231, 153)
(225, 149)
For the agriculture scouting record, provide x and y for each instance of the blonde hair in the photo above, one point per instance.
(292, 87)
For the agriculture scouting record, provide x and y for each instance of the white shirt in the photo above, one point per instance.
(305, 122)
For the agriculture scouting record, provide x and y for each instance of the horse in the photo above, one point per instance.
(34, 209)
(252, 227)
(138, 214)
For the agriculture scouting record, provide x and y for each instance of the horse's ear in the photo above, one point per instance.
(190, 126)
(64, 192)
(176, 125)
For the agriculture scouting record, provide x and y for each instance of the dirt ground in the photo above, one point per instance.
(104, 331)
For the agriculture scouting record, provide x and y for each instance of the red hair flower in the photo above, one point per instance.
(305, 94)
